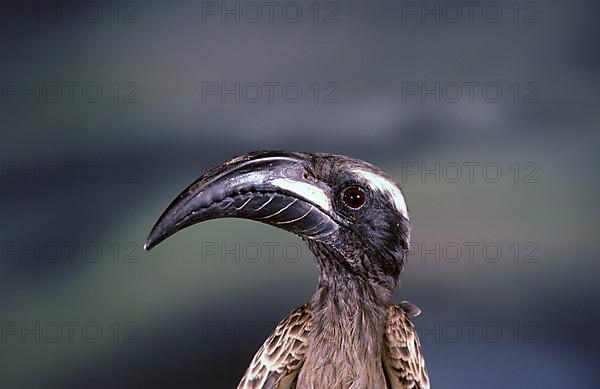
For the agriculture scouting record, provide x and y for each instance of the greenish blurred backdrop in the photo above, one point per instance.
(486, 114)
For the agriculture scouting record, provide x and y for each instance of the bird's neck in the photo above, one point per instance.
(349, 314)
(352, 301)
(353, 278)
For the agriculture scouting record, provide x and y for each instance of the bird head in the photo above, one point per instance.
(351, 214)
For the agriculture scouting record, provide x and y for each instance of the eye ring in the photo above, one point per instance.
(354, 197)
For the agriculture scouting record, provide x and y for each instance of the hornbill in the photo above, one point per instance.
(355, 221)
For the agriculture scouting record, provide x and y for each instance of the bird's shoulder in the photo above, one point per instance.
(403, 361)
(277, 363)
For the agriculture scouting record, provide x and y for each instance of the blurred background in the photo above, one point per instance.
(486, 113)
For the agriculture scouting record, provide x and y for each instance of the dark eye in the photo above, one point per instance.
(354, 197)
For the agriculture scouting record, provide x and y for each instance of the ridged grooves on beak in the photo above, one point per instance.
(269, 187)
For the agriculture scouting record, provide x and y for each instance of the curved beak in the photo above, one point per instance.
(272, 187)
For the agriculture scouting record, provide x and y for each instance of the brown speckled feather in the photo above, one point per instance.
(278, 361)
(403, 361)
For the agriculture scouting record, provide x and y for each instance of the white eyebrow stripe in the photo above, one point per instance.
(385, 186)
(306, 191)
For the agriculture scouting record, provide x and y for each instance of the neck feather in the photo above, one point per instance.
(349, 313)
